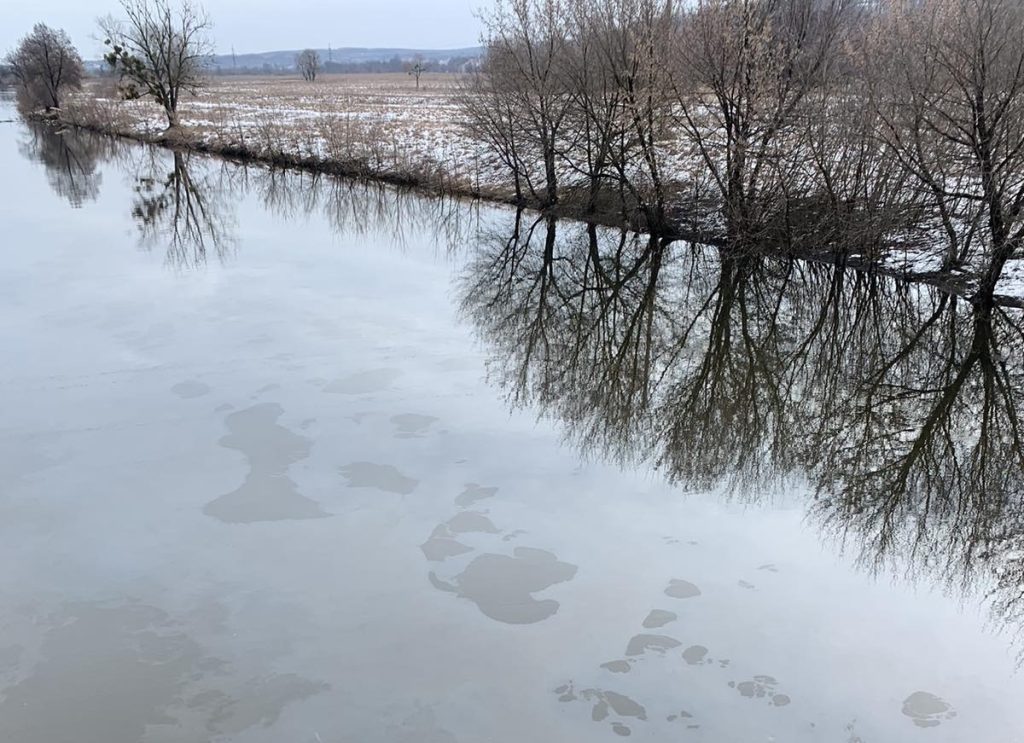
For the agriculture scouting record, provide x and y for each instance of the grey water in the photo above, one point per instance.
(291, 459)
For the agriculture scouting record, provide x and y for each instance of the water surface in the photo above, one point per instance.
(286, 459)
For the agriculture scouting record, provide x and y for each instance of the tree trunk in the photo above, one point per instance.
(550, 176)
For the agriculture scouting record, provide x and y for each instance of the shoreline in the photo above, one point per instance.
(437, 186)
(423, 182)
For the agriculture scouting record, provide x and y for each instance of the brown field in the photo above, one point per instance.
(380, 122)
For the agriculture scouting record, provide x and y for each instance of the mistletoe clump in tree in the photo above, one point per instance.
(159, 49)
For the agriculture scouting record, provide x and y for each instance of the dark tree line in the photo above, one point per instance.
(793, 124)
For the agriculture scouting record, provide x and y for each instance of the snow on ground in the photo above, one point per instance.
(383, 121)
(1011, 282)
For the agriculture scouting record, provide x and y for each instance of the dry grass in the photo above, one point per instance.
(378, 124)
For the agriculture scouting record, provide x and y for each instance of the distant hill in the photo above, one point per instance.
(345, 57)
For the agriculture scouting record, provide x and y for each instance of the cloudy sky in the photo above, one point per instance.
(266, 25)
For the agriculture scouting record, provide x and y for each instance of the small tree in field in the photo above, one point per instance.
(308, 64)
(45, 65)
(416, 68)
(159, 49)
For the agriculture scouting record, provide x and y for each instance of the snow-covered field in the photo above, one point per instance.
(381, 120)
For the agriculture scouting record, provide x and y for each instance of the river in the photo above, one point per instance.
(292, 459)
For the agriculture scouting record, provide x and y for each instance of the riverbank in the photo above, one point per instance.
(377, 127)
(380, 127)
(383, 128)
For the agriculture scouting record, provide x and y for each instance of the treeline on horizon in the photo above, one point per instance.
(853, 126)
(393, 64)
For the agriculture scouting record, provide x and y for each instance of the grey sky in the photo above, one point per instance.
(266, 25)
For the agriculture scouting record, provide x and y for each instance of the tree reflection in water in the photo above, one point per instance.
(899, 405)
(362, 208)
(185, 208)
(70, 157)
(190, 208)
(184, 204)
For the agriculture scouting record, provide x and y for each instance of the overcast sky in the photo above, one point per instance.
(267, 25)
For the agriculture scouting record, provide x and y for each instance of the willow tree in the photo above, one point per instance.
(160, 49)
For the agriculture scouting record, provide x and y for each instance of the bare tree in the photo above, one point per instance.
(746, 67)
(160, 48)
(631, 40)
(861, 200)
(526, 41)
(490, 117)
(45, 65)
(948, 85)
(416, 68)
(596, 104)
(853, 126)
(307, 62)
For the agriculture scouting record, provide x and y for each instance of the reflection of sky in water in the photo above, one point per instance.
(232, 494)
